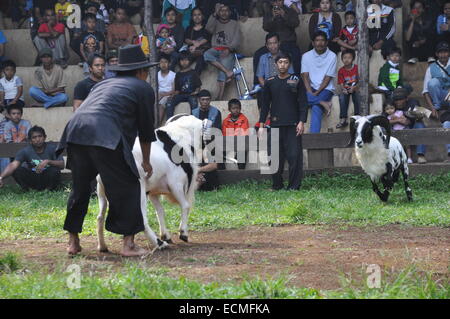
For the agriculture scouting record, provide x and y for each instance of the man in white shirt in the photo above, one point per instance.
(436, 84)
(166, 84)
(318, 71)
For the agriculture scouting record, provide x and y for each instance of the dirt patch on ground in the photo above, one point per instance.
(311, 256)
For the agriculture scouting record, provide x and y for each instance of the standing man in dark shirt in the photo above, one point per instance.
(99, 139)
(83, 88)
(285, 100)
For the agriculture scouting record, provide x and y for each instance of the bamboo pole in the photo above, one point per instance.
(363, 55)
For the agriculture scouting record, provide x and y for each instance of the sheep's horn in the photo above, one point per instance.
(383, 122)
(352, 132)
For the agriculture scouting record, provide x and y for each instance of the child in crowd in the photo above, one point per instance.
(102, 13)
(11, 86)
(16, 129)
(63, 10)
(390, 76)
(348, 79)
(91, 42)
(348, 36)
(165, 40)
(398, 121)
(236, 124)
(166, 84)
(443, 23)
(187, 85)
(120, 32)
(142, 40)
(112, 58)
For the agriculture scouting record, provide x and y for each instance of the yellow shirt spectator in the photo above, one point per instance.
(63, 10)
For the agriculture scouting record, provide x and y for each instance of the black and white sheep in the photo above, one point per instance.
(381, 156)
(176, 178)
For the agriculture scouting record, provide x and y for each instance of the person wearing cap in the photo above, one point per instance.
(50, 90)
(401, 100)
(207, 177)
(99, 139)
(111, 59)
(436, 84)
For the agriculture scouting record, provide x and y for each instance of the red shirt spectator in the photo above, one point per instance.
(238, 127)
(348, 78)
(44, 28)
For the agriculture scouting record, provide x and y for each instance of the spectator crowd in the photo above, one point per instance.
(193, 34)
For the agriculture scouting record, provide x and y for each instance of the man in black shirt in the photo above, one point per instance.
(284, 97)
(83, 88)
(99, 139)
(41, 169)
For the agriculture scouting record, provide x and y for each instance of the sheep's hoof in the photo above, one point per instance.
(162, 244)
(184, 238)
(166, 239)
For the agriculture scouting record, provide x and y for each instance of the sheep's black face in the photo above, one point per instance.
(367, 133)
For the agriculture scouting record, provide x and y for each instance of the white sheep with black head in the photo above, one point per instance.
(174, 157)
(381, 156)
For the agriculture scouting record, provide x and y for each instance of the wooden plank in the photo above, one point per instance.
(427, 136)
(320, 158)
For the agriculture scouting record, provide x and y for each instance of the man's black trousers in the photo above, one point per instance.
(122, 189)
(50, 178)
(290, 149)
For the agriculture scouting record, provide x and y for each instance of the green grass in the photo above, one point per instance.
(322, 200)
(136, 280)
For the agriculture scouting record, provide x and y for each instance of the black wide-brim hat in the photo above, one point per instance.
(131, 57)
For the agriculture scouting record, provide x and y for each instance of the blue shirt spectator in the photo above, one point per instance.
(2, 46)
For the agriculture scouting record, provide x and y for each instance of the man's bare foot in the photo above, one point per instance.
(133, 251)
(74, 244)
(327, 106)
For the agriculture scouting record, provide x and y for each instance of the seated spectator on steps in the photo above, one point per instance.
(4, 161)
(225, 39)
(166, 84)
(383, 38)
(197, 39)
(121, 32)
(165, 42)
(415, 117)
(236, 124)
(52, 82)
(348, 80)
(240, 9)
(20, 12)
(443, 24)
(390, 76)
(11, 86)
(96, 64)
(177, 31)
(51, 35)
(2, 46)
(283, 21)
(327, 21)
(112, 58)
(36, 166)
(183, 7)
(207, 111)
(267, 67)
(348, 36)
(318, 71)
(91, 8)
(436, 84)
(16, 129)
(187, 85)
(92, 42)
(418, 33)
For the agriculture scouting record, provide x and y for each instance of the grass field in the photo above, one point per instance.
(345, 200)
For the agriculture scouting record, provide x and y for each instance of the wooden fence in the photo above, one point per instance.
(320, 149)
